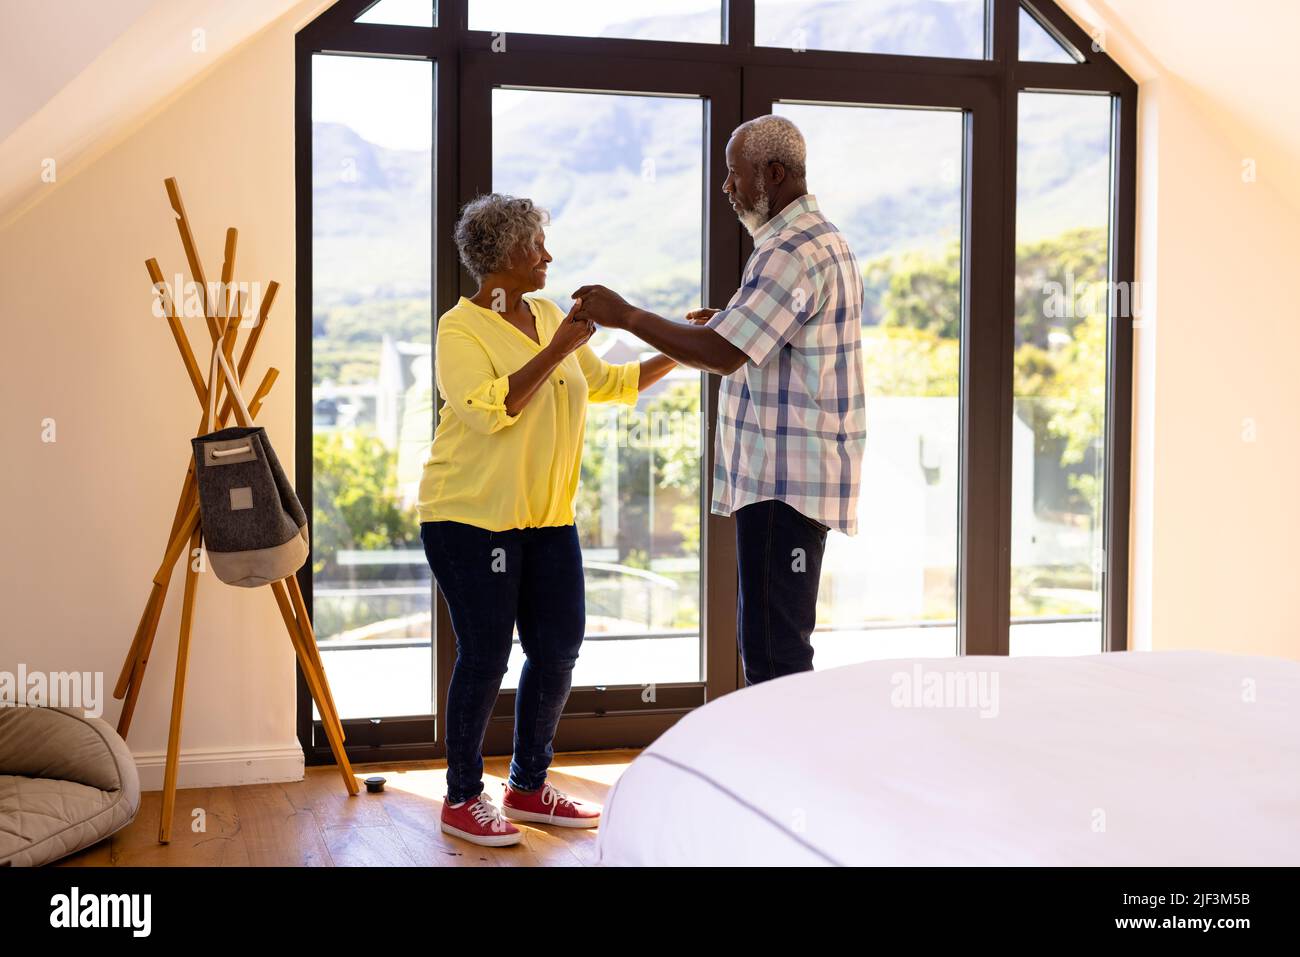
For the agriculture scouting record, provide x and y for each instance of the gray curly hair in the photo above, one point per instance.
(492, 227)
(774, 138)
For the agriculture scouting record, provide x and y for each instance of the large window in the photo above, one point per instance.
(1062, 308)
(979, 157)
(891, 180)
(408, 13)
(687, 21)
(940, 28)
(371, 409)
(638, 511)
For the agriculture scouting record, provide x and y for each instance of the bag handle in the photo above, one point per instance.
(232, 383)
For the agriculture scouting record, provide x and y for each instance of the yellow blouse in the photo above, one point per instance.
(497, 471)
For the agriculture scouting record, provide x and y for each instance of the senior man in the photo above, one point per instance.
(791, 409)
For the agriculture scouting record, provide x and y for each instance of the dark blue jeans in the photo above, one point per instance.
(493, 580)
(779, 563)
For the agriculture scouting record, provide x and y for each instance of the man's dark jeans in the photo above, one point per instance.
(779, 562)
(492, 580)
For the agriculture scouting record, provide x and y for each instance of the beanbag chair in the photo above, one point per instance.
(66, 782)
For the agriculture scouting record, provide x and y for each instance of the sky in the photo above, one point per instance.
(570, 17)
(577, 18)
(388, 102)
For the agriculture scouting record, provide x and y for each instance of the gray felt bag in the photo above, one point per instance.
(254, 527)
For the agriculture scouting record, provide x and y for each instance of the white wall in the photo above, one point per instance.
(1216, 437)
(1217, 390)
(85, 518)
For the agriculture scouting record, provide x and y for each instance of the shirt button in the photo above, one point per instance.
(561, 382)
(469, 401)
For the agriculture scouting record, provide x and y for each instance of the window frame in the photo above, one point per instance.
(736, 75)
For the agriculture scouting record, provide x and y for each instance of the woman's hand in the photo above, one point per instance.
(698, 317)
(525, 381)
(572, 332)
(604, 306)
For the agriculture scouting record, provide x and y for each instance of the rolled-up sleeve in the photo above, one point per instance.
(607, 382)
(778, 296)
(469, 383)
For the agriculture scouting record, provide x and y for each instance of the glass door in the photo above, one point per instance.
(891, 180)
(897, 175)
(1062, 314)
(638, 512)
(626, 172)
(372, 281)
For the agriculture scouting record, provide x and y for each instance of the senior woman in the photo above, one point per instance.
(496, 509)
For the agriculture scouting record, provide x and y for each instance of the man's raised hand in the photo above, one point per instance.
(603, 306)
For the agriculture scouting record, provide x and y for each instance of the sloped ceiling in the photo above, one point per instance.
(76, 75)
(44, 45)
(1236, 60)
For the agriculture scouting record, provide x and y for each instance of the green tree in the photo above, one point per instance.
(355, 505)
(918, 291)
(679, 456)
(1060, 359)
(912, 310)
(666, 427)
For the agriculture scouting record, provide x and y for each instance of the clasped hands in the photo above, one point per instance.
(605, 307)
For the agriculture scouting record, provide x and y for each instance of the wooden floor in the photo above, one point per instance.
(313, 822)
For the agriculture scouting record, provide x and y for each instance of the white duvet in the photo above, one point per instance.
(1164, 758)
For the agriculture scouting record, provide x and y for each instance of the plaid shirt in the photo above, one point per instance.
(792, 421)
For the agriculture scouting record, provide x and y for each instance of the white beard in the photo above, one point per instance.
(756, 217)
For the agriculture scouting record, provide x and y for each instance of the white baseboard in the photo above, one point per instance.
(222, 767)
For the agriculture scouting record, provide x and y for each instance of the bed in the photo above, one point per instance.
(1133, 758)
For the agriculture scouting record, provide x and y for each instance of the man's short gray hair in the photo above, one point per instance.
(492, 227)
(773, 138)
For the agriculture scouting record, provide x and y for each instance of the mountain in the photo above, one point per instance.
(622, 176)
(371, 211)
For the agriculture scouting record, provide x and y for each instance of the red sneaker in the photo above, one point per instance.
(548, 806)
(479, 822)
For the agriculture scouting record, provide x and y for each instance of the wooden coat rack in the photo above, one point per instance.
(186, 526)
